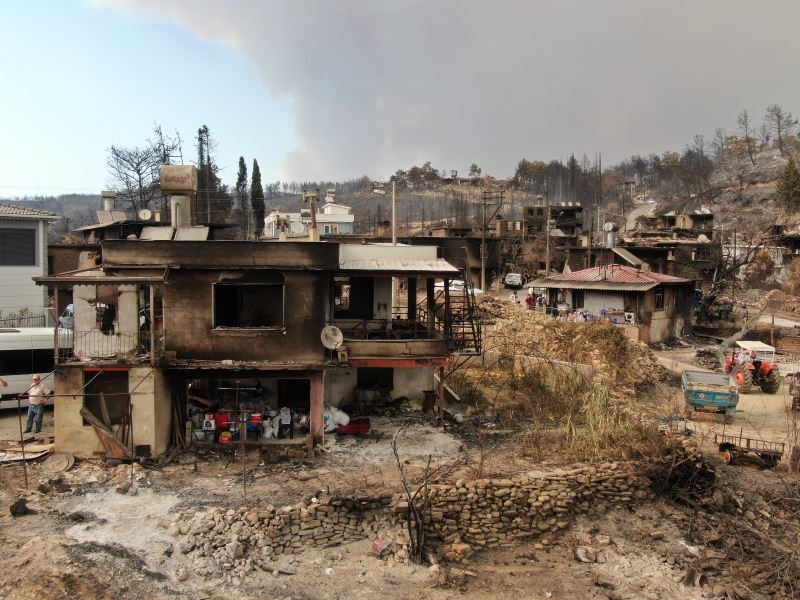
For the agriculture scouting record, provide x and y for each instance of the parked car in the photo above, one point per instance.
(458, 286)
(514, 281)
(66, 319)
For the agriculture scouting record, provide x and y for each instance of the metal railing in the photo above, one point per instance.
(382, 329)
(23, 319)
(99, 345)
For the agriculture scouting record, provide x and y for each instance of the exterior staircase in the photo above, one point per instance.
(456, 314)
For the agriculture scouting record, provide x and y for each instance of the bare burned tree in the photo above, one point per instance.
(134, 172)
(731, 260)
(417, 512)
(780, 122)
(747, 130)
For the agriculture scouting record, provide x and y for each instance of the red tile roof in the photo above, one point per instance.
(617, 274)
(610, 277)
(17, 211)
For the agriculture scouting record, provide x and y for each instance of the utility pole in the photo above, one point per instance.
(394, 212)
(394, 243)
(488, 197)
(483, 243)
(546, 233)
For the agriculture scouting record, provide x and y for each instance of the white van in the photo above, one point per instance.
(514, 281)
(25, 351)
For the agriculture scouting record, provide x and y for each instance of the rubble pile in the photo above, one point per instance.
(708, 358)
(682, 472)
(619, 362)
(235, 542)
(487, 513)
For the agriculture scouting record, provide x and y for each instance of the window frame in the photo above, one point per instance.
(659, 293)
(26, 230)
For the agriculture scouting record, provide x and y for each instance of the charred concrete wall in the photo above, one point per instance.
(191, 332)
(221, 254)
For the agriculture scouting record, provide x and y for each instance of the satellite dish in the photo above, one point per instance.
(296, 228)
(331, 337)
(145, 214)
(609, 227)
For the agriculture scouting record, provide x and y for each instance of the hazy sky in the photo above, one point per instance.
(339, 88)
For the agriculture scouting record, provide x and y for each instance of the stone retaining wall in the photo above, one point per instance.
(487, 513)
(463, 517)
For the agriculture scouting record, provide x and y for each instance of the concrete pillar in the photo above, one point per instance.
(441, 395)
(317, 406)
(412, 298)
(430, 290)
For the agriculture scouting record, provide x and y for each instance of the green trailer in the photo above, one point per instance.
(710, 395)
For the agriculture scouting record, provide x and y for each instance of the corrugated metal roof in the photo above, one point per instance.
(434, 265)
(15, 211)
(610, 277)
(593, 285)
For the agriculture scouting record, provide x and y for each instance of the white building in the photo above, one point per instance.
(331, 219)
(23, 255)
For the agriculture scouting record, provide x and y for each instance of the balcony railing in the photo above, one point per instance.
(96, 345)
(383, 329)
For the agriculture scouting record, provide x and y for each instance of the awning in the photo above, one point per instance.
(431, 266)
(627, 256)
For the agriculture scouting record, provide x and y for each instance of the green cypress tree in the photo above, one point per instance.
(788, 193)
(257, 198)
(242, 198)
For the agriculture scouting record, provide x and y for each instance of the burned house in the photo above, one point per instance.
(692, 260)
(653, 307)
(565, 218)
(226, 324)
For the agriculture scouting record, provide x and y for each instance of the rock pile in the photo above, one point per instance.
(235, 542)
(487, 513)
(619, 362)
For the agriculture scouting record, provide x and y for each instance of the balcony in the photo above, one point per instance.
(384, 338)
(96, 346)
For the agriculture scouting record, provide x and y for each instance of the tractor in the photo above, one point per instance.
(753, 364)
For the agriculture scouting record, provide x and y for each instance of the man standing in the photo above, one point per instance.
(37, 396)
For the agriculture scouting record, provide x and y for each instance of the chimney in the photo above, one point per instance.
(108, 199)
(180, 211)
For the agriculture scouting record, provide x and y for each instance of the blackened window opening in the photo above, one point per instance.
(109, 388)
(248, 305)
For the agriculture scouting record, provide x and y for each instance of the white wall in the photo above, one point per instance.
(595, 301)
(341, 383)
(17, 289)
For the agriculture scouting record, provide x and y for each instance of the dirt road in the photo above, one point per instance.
(758, 415)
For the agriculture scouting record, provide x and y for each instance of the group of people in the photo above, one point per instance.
(532, 301)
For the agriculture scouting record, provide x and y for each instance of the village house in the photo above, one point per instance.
(331, 218)
(163, 323)
(23, 255)
(652, 307)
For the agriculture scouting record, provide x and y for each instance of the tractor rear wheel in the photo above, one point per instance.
(743, 377)
(771, 381)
